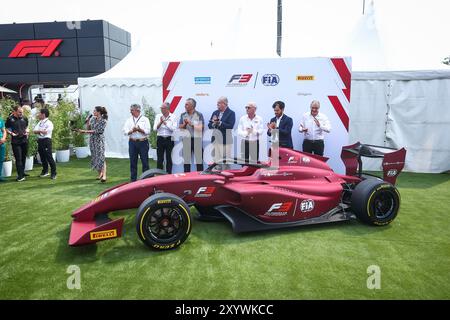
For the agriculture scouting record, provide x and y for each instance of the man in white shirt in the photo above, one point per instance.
(165, 125)
(313, 126)
(137, 128)
(250, 128)
(43, 130)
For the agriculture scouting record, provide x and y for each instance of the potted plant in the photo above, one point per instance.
(6, 106)
(62, 133)
(150, 113)
(7, 163)
(79, 139)
(32, 142)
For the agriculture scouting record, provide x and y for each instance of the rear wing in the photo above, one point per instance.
(393, 159)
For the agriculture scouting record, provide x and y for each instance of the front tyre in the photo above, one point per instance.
(163, 221)
(375, 202)
(152, 173)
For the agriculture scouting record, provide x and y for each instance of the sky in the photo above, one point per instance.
(399, 35)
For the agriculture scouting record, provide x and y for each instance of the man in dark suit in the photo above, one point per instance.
(280, 126)
(222, 122)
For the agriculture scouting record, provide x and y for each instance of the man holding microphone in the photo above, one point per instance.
(313, 126)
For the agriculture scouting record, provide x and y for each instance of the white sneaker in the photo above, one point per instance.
(42, 175)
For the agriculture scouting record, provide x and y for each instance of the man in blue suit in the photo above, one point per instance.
(222, 122)
(280, 126)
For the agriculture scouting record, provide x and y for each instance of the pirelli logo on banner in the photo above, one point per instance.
(305, 78)
(100, 235)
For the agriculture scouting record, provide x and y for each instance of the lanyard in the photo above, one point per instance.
(42, 123)
(137, 121)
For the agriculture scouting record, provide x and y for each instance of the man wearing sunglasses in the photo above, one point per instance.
(313, 125)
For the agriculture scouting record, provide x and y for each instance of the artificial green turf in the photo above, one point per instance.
(314, 262)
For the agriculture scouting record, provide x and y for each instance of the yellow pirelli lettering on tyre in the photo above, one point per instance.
(106, 234)
(164, 201)
(187, 215)
(142, 222)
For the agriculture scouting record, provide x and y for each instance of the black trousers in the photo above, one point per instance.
(45, 152)
(192, 145)
(164, 146)
(138, 149)
(250, 150)
(313, 146)
(20, 154)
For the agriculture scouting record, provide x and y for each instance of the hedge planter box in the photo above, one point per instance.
(29, 163)
(7, 169)
(63, 155)
(82, 152)
(152, 154)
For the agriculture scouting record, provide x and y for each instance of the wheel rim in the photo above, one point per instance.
(165, 224)
(384, 204)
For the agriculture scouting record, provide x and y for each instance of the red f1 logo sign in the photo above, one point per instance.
(45, 47)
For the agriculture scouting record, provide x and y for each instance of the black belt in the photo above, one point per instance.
(138, 140)
(165, 137)
(314, 140)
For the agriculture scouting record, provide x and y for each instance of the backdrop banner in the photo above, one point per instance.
(295, 81)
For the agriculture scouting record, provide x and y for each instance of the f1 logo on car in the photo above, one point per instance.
(45, 47)
(204, 192)
(239, 80)
(279, 209)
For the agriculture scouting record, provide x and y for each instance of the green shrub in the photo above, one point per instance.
(77, 122)
(6, 106)
(150, 113)
(61, 116)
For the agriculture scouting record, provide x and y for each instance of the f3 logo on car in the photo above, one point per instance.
(279, 209)
(204, 192)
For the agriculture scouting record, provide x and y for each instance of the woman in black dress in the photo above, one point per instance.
(96, 127)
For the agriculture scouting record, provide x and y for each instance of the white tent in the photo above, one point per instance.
(390, 108)
(130, 81)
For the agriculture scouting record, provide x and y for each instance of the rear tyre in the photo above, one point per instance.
(375, 202)
(152, 173)
(163, 221)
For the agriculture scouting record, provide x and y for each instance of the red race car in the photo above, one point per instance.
(292, 189)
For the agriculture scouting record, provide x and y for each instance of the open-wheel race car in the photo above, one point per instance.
(291, 189)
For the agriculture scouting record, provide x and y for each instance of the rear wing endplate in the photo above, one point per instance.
(393, 159)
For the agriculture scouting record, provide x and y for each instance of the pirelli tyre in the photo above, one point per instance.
(375, 202)
(163, 221)
(152, 173)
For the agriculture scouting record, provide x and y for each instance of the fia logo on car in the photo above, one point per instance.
(307, 205)
(279, 209)
(306, 160)
(392, 173)
(204, 192)
(270, 80)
